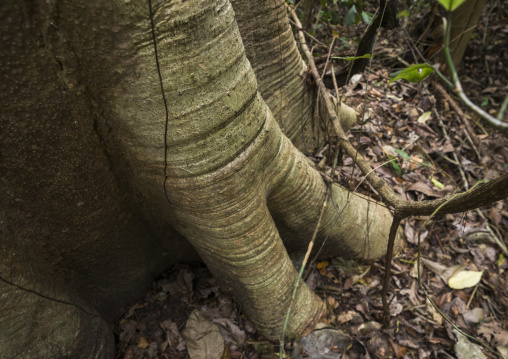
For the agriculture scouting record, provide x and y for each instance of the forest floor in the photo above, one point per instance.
(438, 147)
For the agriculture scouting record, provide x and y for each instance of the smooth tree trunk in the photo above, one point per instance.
(464, 20)
(88, 155)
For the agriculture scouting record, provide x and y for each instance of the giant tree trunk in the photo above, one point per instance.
(89, 155)
(279, 68)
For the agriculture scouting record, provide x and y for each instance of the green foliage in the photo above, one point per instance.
(367, 17)
(331, 13)
(351, 58)
(396, 169)
(403, 13)
(414, 73)
(407, 157)
(327, 14)
(436, 183)
(451, 5)
(350, 17)
(402, 154)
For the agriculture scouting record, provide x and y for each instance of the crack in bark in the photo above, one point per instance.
(48, 298)
(164, 99)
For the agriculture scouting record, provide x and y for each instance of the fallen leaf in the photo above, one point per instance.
(347, 316)
(143, 343)
(451, 271)
(424, 117)
(398, 350)
(436, 316)
(465, 349)
(474, 316)
(503, 351)
(204, 340)
(322, 265)
(464, 279)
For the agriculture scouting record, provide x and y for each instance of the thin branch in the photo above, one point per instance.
(379, 185)
(300, 273)
(388, 267)
(454, 152)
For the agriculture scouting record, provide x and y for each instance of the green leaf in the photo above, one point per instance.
(403, 13)
(350, 17)
(424, 117)
(485, 101)
(335, 18)
(500, 260)
(366, 17)
(451, 5)
(351, 58)
(402, 153)
(436, 183)
(414, 73)
(396, 169)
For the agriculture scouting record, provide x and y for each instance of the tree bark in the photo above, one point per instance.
(281, 72)
(90, 156)
(464, 20)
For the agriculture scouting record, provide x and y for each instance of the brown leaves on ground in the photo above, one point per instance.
(184, 314)
(422, 148)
